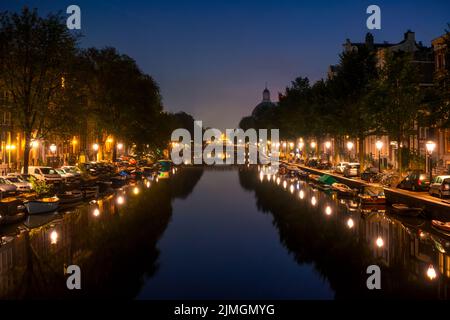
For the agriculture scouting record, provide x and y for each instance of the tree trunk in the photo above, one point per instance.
(26, 153)
(399, 155)
(114, 155)
(361, 151)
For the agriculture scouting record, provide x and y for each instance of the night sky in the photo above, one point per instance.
(213, 58)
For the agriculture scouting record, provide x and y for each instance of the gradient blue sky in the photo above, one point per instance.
(212, 58)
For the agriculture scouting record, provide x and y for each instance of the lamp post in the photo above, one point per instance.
(430, 145)
(313, 147)
(53, 151)
(301, 144)
(349, 147)
(95, 148)
(379, 145)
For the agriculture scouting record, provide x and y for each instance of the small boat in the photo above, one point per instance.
(403, 209)
(314, 178)
(343, 189)
(372, 195)
(442, 226)
(70, 197)
(303, 174)
(42, 205)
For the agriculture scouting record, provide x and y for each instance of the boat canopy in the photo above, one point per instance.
(326, 179)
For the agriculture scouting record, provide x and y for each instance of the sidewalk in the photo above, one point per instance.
(439, 208)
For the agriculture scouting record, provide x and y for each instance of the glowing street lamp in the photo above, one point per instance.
(53, 148)
(301, 144)
(350, 146)
(431, 273)
(34, 144)
(313, 146)
(119, 146)
(379, 145)
(430, 145)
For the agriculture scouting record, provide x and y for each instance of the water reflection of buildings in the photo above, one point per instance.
(105, 238)
(414, 259)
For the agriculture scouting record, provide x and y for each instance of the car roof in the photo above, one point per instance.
(444, 177)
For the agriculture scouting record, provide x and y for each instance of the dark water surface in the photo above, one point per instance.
(224, 233)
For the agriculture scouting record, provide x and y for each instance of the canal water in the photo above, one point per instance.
(223, 233)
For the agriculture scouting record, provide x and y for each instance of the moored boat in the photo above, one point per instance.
(372, 195)
(343, 190)
(42, 205)
(403, 209)
(442, 226)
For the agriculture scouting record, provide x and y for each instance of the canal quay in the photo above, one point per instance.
(224, 232)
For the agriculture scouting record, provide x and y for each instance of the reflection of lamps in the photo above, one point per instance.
(328, 210)
(431, 145)
(379, 145)
(54, 237)
(431, 273)
(119, 146)
(379, 242)
(53, 148)
(350, 223)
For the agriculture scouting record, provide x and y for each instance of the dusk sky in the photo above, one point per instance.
(213, 58)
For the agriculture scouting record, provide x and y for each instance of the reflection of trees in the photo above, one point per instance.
(115, 250)
(339, 255)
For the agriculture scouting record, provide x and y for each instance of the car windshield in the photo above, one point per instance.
(14, 179)
(60, 171)
(48, 171)
(4, 181)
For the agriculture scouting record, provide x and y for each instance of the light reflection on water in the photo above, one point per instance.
(224, 233)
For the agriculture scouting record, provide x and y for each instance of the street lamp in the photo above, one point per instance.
(379, 145)
(119, 146)
(313, 147)
(95, 148)
(349, 147)
(431, 145)
(53, 148)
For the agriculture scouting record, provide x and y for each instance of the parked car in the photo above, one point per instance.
(369, 174)
(324, 165)
(73, 170)
(440, 186)
(7, 187)
(340, 167)
(21, 185)
(312, 163)
(416, 180)
(47, 174)
(352, 169)
(66, 177)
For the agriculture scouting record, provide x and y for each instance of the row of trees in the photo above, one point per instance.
(53, 87)
(363, 98)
